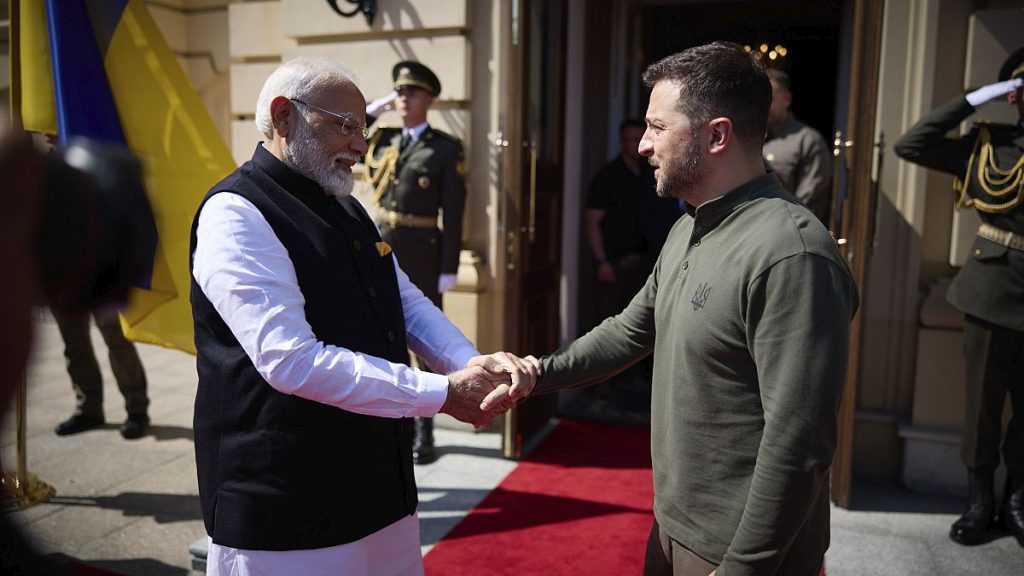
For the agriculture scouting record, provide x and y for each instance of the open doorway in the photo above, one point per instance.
(809, 31)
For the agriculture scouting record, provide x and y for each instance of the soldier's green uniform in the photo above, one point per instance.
(989, 165)
(417, 185)
(426, 179)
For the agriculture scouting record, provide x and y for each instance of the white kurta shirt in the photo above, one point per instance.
(245, 272)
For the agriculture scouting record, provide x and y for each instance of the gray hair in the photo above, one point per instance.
(298, 78)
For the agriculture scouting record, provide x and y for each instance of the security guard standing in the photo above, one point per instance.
(417, 171)
(989, 289)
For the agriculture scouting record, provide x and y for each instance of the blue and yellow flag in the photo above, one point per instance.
(102, 69)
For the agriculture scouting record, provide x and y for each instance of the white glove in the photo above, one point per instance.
(446, 282)
(380, 105)
(993, 91)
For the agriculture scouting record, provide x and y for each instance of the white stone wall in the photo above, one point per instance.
(263, 34)
(195, 32)
(439, 33)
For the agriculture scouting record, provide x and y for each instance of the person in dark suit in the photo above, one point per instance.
(614, 230)
(989, 289)
(417, 172)
(84, 369)
(615, 234)
(55, 200)
(87, 380)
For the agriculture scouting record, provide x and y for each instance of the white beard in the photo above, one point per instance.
(305, 155)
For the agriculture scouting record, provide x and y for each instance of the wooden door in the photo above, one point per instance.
(855, 200)
(532, 190)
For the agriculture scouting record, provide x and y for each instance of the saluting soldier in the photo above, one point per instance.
(989, 167)
(417, 172)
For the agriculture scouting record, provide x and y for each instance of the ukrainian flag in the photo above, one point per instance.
(102, 69)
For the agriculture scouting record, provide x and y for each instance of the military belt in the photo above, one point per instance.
(401, 220)
(1000, 236)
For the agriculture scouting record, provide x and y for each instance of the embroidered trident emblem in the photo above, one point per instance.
(700, 297)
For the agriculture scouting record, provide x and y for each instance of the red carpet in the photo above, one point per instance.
(579, 504)
(77, 568)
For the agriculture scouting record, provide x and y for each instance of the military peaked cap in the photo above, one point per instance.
(1013, 66)
(412, 73)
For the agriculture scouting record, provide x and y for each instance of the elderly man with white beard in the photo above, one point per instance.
(303, 321)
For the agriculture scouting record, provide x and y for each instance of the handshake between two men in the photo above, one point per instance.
(490, 385)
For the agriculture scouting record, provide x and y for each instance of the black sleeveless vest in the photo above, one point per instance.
(278, 472)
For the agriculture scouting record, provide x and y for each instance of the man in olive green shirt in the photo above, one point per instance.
(747, 313)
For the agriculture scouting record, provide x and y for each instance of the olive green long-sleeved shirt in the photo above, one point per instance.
(747, 313)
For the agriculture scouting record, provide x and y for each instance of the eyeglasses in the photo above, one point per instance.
(348, 124)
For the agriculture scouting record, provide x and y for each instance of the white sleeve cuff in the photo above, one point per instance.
(433, 391)
(446, 282)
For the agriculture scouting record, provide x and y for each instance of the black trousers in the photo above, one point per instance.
(85, 370)
(631, 272)
(994, 358)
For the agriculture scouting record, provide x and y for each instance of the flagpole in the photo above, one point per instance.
(14, 39)
(22, 489)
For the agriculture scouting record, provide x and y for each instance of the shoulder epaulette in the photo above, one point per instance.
(377, 131)
(446, 136)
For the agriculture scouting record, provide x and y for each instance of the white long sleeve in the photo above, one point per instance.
(245, 272)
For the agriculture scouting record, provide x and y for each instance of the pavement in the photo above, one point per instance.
(132, 506)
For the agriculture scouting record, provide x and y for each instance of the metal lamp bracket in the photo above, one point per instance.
(367, 7)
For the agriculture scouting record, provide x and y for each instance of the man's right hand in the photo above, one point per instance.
(466, 391)
(524, 373)
(381, 105)
(993, 91)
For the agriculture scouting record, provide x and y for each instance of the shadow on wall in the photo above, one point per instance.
(890, 302)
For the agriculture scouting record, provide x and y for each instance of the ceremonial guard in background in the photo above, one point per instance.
(417, 171)
(989, 289)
